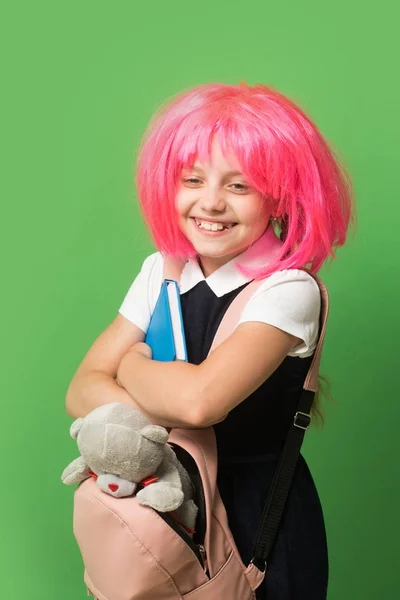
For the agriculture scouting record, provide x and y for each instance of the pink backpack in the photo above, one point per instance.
(131, 552)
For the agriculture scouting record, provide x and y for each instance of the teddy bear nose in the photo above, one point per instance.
(113, 487)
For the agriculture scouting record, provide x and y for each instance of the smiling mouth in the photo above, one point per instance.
(213, 225)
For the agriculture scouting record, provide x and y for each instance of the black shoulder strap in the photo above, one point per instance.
(283, 476)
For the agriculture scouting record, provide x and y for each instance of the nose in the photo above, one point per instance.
(213, 200)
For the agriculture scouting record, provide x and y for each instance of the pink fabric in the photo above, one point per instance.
(311, 382)
(172, 270)
(232, 316)
(130, 553)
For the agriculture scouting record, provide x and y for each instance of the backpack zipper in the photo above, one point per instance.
(204, 558)
(197, 543)
(197, 549)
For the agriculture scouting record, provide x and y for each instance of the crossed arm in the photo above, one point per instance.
(118, 368)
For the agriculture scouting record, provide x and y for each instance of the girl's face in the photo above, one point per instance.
(218, 211)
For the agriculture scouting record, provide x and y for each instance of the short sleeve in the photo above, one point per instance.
(291, 301)
(142, 295)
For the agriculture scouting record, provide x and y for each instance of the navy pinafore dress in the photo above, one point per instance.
(249, 443)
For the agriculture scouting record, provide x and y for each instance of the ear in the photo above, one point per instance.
(75, 428)
(155, 433)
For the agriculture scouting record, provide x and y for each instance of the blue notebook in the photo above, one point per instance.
(165, 334)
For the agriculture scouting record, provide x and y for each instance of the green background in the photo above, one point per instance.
(79, 83)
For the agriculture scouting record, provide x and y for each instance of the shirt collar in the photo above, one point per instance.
(228, 277)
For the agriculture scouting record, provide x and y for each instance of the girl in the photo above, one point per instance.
(240, 183)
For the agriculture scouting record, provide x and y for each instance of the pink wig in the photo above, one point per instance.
(282, 154)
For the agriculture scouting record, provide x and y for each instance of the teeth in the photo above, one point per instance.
(212, 226)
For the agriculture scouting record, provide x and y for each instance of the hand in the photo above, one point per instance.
(141, 348)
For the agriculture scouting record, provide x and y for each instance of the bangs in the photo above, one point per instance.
(262, 139)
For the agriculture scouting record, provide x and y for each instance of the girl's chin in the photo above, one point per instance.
(224, 254)
(211, 262)
(213, 248)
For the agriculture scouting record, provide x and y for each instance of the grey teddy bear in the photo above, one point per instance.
(121, 449)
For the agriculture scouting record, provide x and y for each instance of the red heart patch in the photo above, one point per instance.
(113, 487)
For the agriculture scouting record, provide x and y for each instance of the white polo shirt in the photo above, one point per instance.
(289, 300)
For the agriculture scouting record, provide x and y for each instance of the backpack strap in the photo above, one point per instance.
(284, 473)
(173, 268)
(285, 470)
(234, 311)
(311, 382)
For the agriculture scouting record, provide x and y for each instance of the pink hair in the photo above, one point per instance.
(281, 152)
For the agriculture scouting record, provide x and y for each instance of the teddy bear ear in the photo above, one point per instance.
(155, 433)
(75, 428)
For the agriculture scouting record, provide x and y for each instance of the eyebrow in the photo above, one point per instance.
(227, 174)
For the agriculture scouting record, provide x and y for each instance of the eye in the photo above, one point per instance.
(192, 181)
(240, 187)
